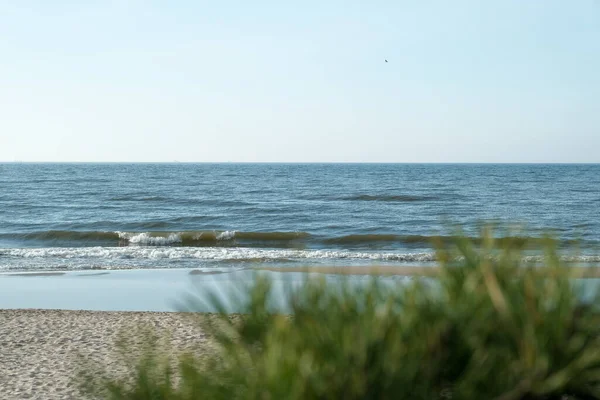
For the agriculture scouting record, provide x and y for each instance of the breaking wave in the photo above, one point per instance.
(232, 238)
(158, 238)
(240, 253)
(147, 257)
(209, 253)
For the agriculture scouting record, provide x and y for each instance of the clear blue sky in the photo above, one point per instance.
(466, 81)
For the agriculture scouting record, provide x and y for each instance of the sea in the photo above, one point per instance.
(112, 216)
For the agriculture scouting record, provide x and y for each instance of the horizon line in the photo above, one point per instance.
(311, 162)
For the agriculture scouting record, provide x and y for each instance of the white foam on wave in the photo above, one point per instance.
(207, 253)
(141, 257)
(147, 239)
(227, 235)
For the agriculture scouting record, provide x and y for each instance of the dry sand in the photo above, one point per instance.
(39, 349)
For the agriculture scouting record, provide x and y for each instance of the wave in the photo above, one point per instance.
(369, 238)
(210, 254)
(64, 235)
(90, 257)
(405, 239)
(191, 238)
(158, 238)
(139, 198)
(392, 198)
(252, 239)
(204, 238)
(400, 198)
(439, 239)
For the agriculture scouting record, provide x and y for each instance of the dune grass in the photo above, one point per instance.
(486, 327)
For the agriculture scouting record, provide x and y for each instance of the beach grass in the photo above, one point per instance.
(489, 326)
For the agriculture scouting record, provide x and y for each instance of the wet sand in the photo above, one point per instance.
(407, 271)
(358, 270)
(162, 289)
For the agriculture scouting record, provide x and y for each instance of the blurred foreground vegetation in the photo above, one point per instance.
(488, 327)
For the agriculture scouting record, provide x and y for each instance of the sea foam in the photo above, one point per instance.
(147, 239)
(209, 253)
(238, 253)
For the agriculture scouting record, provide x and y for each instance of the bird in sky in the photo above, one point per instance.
(386, 60)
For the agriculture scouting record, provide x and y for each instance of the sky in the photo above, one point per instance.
(300, 81)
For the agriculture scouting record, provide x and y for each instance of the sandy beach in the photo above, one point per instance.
(41, 349)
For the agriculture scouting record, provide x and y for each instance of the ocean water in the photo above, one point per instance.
(224, 216)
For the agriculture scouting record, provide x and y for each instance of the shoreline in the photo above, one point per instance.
(401, 270)
(164, 289)
(592, 271)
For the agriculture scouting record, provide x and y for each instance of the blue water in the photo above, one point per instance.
(91, 216)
